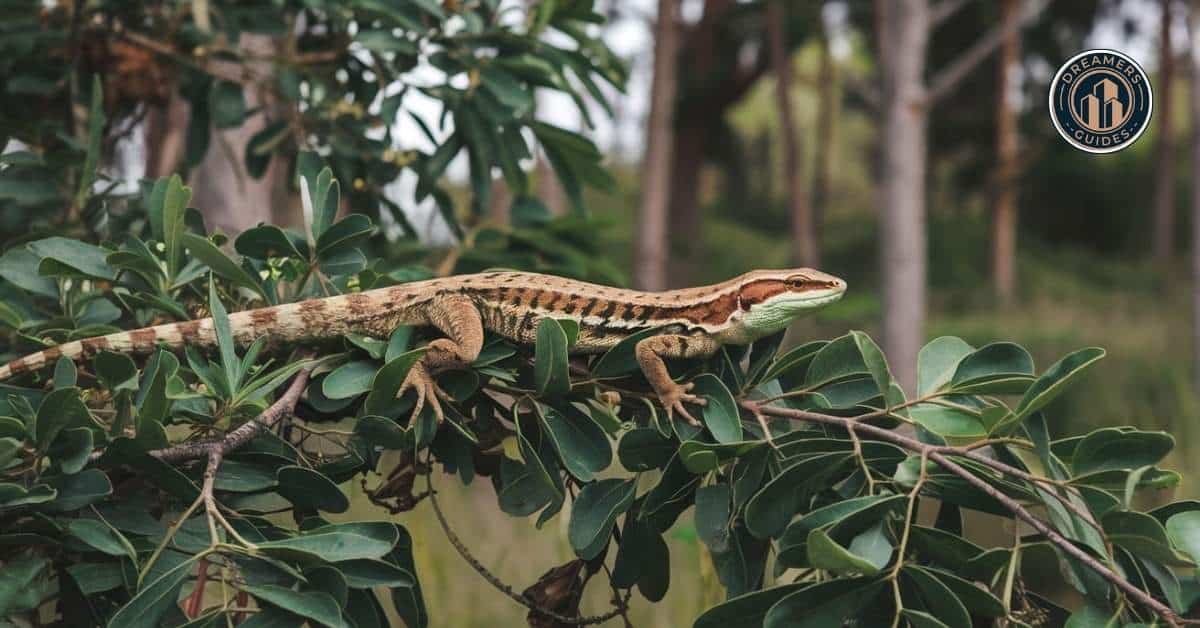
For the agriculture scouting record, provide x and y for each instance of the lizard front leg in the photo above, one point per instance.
(650, 353)
(458, 318)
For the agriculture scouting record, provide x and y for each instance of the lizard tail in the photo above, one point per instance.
(138, 341)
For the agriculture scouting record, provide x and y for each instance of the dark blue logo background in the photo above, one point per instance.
(1100, 101)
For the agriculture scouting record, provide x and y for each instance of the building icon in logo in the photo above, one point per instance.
(1101, 110)
(1100, 101)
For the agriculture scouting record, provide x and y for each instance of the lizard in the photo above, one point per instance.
(690, 322)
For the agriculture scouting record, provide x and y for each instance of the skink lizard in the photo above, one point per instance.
(692, 322)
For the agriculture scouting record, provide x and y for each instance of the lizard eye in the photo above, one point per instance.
(796, 281)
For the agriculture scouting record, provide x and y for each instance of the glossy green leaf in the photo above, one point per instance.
(595, 511)
(60, 409)
(937, 362)
(153, 599)
(1055, 380)
(64, 257)
(997, 368)
(220, 263)
(381, 399)
(337, 542)
(319, 607)
(1142, 535)
(768, 512)
(1183, 529)
(745, 611)
(822, 605)
(838, 360)
(24, 583)
(938, 598)
(350, 379)
(100, 537)
(365, 573)
(551, 370)
(643, 448)
(582, 445)
(721, 415)
(621, 359)
(1117, 448)
(307, 488)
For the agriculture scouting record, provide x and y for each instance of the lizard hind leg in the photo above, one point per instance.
(458, 318)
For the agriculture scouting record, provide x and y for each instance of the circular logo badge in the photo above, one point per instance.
(1100, 101)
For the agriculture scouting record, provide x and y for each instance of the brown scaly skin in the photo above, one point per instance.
(693, 322)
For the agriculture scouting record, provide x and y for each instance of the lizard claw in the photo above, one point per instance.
(672, 400)
(428, 391)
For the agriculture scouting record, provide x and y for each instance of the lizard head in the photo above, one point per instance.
(771, 299)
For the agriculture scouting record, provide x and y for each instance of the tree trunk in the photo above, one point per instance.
(902, 189)
(1164, 161)
(1004, 202)
(652, 239)
(549, 190)
(1194, 82)
(224, 192)
(803, 240)
(827, 114)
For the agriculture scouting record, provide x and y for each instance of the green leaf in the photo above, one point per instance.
(1091, 617)
(721, 415)
(1184, 531)
(842, 519)
(581, 443)
(551, 372)
(1055, 380)
(382, 398)
(101, 537)
(268, 241)
(951, 423)
(976, 599)
(172, 212)
(153, 599)
(24, 583)
(595, 511)
(87, 176)
(713, 514)
(337, 542)
(643, 448)
(348, 231)
(71, 450)
(20, 266)
(746, 611)
(877, 365)
(65, 257)
(937, 362)
(700, 457)
(350, 380)
(836, 361)
(621, 360)
(938, 597)
(220, 263)
(997, 368)
(60, 409)
(78, 490)
(116, 371)
(64, 373)
(227, 104)
(317, 606)
(825, 553)
(306, 488)
(822, 605)
(9, 448)
(768, 512)
(230, 363)
(365, 573)
(1142, 535)
(382, 432)
(1116, 448)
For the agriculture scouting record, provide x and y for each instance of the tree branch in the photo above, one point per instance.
(244, 433)
(939, 454)
(946, 80)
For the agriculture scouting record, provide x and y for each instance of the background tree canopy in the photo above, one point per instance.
(271, 485)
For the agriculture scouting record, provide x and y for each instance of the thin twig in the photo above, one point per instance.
(939, 454)
(503, 587)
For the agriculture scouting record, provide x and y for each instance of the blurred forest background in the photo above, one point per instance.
(901, 144)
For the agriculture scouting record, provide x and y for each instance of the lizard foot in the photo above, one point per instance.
(428, 391)
(673, 398)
